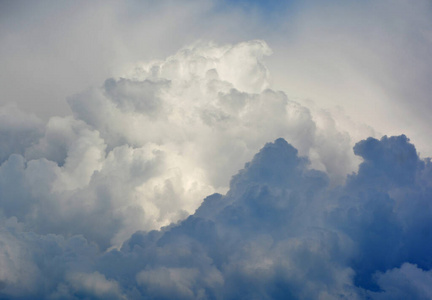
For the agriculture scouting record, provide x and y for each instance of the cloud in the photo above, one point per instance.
(43, 43)
(337, 54)
(18, 130)
(406, 281)
(104, 198)
(84, 285)
(351, 55)
(280, 231)
(108, 201)
(143, 150)
(214, 95)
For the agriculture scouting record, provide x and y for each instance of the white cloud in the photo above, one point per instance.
(142, 151)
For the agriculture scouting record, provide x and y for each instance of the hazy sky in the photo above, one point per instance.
(304, 125)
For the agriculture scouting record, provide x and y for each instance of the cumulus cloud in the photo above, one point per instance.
(281, 231)
(144, 149)
(108, 202)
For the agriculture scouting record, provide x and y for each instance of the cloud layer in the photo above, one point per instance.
(107, 203)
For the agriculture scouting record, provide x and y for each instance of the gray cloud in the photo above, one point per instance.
(18, 131)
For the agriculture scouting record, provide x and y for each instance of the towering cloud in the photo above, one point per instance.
(108, 202)
(144, 149)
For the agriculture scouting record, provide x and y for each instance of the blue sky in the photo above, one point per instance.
(215, 150)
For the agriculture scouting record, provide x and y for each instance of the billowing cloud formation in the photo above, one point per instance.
(107, 203)
(143, 150)
(280, 232)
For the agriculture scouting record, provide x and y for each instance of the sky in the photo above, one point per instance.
(215, 149)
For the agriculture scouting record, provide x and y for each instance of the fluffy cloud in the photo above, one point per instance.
(281, 231)
(142, 150)
(108, 202)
